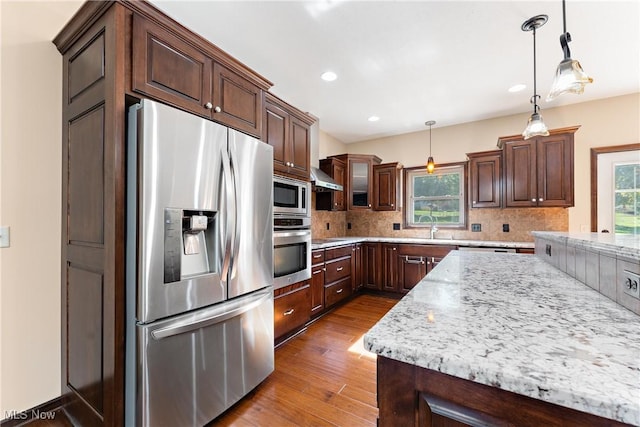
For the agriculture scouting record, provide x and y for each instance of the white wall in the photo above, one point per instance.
(30, 185)
(606, 122)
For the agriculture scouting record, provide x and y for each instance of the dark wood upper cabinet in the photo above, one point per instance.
(237, 102)
(167, 68)
(287, 130)
(539, 171)
(485, 179)
(332, 200)
(358, 186)
(386, 186)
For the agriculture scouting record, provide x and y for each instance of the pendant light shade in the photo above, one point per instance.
(570, 77)
(535, 126)
(431, 165)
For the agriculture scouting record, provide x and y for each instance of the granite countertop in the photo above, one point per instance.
(338, 241)
(619, 245)
(514, 322)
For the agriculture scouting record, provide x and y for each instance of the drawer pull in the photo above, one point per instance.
(316, 272)
(413, 260)
(339, 291)
(339, 268)
(317, 256)
(288, 312)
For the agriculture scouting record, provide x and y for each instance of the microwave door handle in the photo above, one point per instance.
(226, 190)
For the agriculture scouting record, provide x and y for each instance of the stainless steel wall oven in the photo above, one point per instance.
(291, 249)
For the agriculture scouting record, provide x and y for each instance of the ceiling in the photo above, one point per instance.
(412, 61)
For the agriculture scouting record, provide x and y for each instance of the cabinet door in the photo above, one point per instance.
(356, 267)
(360, 184)
(485, 180)
(299, 148)
(390, 267)
(237, 102)
(555, 170)
(412, 270)
(291, 310)
(168, 69)
(332, 200)
(317, 289)
(276, 124)
(385, 187)
(520, 174)
(371, 265)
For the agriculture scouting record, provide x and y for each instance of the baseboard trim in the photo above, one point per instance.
(46, 411)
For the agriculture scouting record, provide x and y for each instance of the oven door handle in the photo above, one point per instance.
(293, 233)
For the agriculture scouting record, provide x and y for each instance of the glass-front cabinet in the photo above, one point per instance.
(359, 183)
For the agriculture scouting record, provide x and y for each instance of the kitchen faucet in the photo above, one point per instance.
(434, 225)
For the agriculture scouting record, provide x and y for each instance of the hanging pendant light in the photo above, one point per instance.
(431, 165)
(570, 78)
(535, 126)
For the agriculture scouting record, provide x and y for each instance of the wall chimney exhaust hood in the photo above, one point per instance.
(323, 182)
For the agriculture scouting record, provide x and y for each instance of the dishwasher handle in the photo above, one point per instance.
(212, 319)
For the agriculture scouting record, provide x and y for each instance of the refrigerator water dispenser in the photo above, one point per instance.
(189, 244)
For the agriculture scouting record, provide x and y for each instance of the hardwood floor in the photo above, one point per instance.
(323, 377)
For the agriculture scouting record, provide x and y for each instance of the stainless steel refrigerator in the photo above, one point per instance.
(199, 267)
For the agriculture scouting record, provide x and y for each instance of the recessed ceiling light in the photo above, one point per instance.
(373, 118)
(517, 88)
(329, 76)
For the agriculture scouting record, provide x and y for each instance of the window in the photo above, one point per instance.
(626, 208)
(437, 198)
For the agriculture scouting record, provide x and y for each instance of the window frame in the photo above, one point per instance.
(406, 176)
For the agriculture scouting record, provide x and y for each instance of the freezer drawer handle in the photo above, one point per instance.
(188, 326)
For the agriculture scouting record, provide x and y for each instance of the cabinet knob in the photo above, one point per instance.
(208, 106)
(541, 199)
(394, 249)
(391, 204)
(474, 202)
(369, 204)
(217, 109)
(533, 200)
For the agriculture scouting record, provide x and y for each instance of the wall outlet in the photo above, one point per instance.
(396, 226)
(505, 228)
(631, 283)
(328, 226)
(348, 226)
(476, 227)
(4, 237)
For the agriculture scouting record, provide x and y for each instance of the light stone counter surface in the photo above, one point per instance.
(618, 245)
(514, 322)
(337, 241)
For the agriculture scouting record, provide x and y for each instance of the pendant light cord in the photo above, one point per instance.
(565, 37)
(534, 99)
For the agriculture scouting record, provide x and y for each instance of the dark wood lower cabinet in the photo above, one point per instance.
(291, 308)
(371, 265)
(409, 395)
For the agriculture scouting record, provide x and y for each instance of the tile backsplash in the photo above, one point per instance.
(380, 224)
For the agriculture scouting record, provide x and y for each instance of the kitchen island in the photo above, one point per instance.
(506, 339)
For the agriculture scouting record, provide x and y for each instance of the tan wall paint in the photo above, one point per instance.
(330, 146)
(31, 85)
(606, 122)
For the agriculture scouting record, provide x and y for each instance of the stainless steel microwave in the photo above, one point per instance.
(291, 196)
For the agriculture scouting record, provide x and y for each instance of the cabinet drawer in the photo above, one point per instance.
(291, 310)
(337, 292)
(337, 269)
(317, 257)
(339, 252)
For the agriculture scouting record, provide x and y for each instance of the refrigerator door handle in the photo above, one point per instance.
(228, 192)
(234, 214)
(217, 317)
